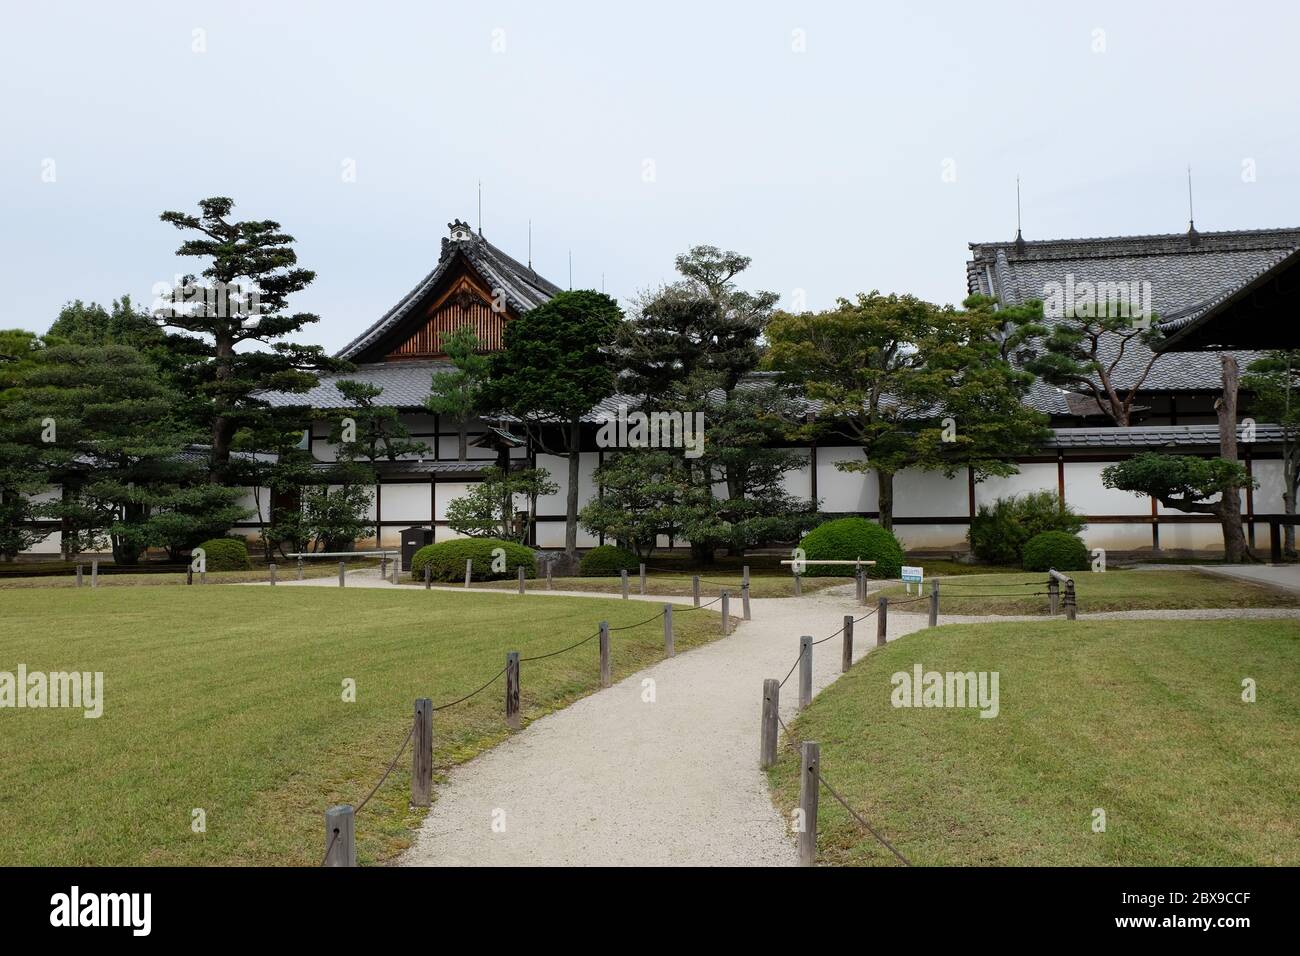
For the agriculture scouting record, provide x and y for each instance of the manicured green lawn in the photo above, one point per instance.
(677, 585)
(229, 699)
(286, 572)
(1106, 591)
(1143, 719)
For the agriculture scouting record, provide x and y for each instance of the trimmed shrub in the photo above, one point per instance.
(608, 559)
(226, 554)
(847, 539)
(1056, 549)
(998, 533)
(447, 560)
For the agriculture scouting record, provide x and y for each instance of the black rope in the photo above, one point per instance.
(401, 750)
(628, 627)
(703, 606)
(959, 583)
(472, 693)
(542, 657)
(330, 849)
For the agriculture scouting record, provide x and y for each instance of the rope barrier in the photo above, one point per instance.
(542, 657)
(469, 695)
(401, 750)
(330, 849)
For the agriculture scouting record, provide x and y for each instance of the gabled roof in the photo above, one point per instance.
(1259, 312)
(1186, 271)
(521, 287)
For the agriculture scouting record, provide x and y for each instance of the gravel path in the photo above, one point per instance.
(616, 780)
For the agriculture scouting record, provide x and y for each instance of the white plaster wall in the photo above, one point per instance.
(550, 534)
(944, 536)
(410, 503)
(1085, 493)
(798, 481)
(558, 466)
(926, 494)
(844, 490)
(1268, 496)
(1119, 537)
(1207, 536)
(1031, 477)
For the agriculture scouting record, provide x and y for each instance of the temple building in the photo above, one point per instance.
(1234, 285)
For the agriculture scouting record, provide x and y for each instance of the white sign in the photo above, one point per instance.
(912, 576)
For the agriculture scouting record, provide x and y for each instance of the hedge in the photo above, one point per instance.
(608, 559)
(447, 560)
(226, 554)
(1056, 549)
(847, 539)
(999, 532)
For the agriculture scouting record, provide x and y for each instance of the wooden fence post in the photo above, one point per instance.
(768, 729)
(744, 600)
(934, 603)
(189, 575)
(521, 579)
(695, 589)
(798, 584)
(882, 620)
(397, 570)
(726, 613)
(809, 788)
(340, 836)
(1070, 605)
(383, 567)
(604, 654)
(669, 649)
(301, 570)
(643, 579)
(512, 690)
(94, 573)
(271, 568)
(847, 660)
(343, 574)
(428, 576)
(422, 754)
(548, 574)
(862, 576)
(79, 575)
(805, 671)
(469, 570)
(1053, 595)
(203, 576)
(622, 582)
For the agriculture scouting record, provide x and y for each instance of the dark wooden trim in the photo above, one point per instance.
(970, 493)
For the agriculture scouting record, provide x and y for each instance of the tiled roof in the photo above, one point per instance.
(404, 384)
(1203, 312)
(522, 288)
(1186, 273)
(1146, 437)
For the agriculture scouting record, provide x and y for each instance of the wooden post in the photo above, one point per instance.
(604, 654)
(301, 570)
(189, 575)
(882, 620)
(1053, 595)
(622, 580)
(643, 579)
(669, 649)
(695, 589)
(768, 729)
(383, 567)
(422, 754)
(78, 575)
(1275, 542)
(548, 574)
(726, 613)
(805, 671)
(1070, 606)
(809, 787)
(397, 570)
(857, 586)
(343, 575)
(862, 598)
(744, 599)
(94, 573)
(340, 836)
(271, 567)
(428, 576)
(798, 584)
(934, 603)
(847, 661)
(512, 690)
(203, 576)
(744, 576)
(521, 579)
(469, 570)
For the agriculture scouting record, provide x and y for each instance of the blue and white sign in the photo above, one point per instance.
(913, 576)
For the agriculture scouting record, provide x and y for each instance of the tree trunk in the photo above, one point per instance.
(571, 505)
(885, 498)
(1290, 478)
(462, 442)
(1235, 549)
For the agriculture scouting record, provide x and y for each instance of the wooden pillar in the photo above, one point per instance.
(805, 671)
(340, 836)
(809, 787)
(695, 589)
(669, 649)
(512, 690)
(934, 603)
(882, 621)
(769, 727)
(422, 754)
(846, 660)
(726, 613)
(605, 669)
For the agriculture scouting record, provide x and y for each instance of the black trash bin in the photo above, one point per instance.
(413, 539)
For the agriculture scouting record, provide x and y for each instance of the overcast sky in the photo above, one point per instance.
(845, 147)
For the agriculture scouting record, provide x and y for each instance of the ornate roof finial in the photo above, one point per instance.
(1020, 240)
(460, 231)
(1193, 237)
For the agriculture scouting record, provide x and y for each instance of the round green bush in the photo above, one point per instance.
(999, 532)
(608, 559)
(847, 539)
(226, 554)
(1056, 549)
(447, 560)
